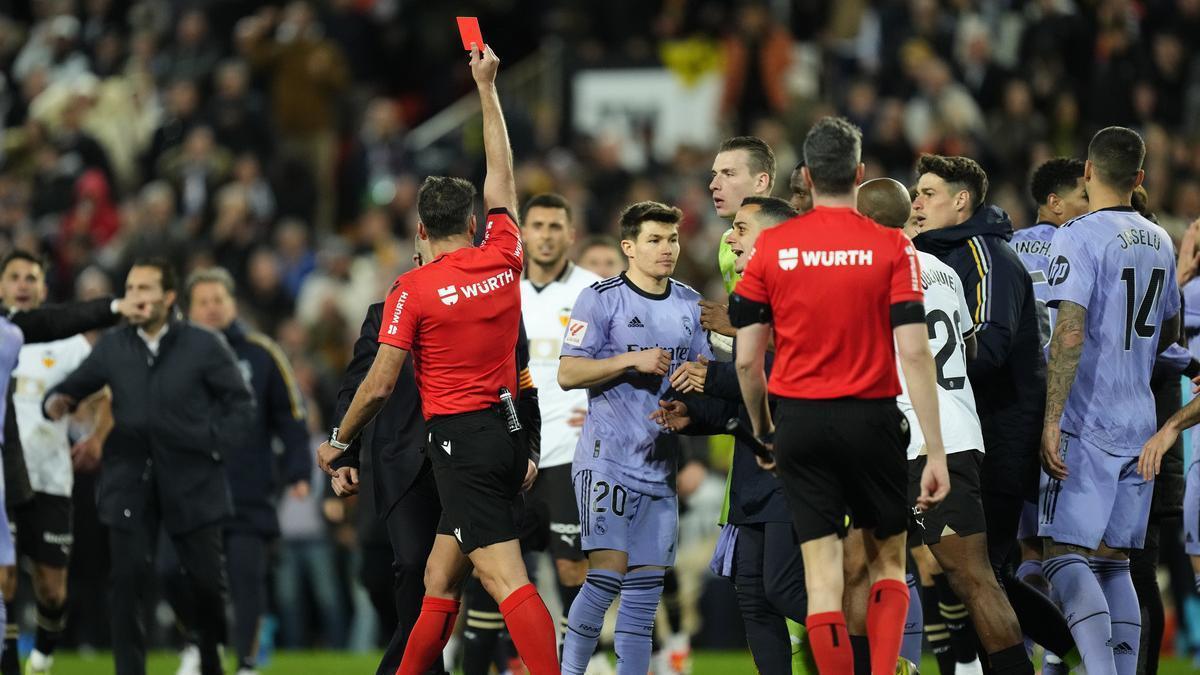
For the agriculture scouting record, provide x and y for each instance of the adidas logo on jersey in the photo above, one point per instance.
(636, 323)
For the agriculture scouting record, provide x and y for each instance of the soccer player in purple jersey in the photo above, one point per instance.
(1112, 280)
(625, 335)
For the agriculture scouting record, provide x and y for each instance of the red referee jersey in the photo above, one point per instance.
(831, 277)
(459, 317)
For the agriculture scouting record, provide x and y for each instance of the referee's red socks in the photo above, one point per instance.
(532, 630)
(429, 635)
(830, 643)
(887, 607)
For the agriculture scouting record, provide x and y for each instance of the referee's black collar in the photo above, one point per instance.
(566, 271)
(643, 292)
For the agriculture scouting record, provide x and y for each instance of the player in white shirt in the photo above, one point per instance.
(43, 525)
(955, 530)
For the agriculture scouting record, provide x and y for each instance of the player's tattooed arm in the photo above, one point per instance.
(1066, 346)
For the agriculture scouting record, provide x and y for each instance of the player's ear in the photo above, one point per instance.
(859, 173)
(762, 184)
(1055, 203)
(807, 177)
(628, 247)
(471, 227)
(1141, 176)
(421, 231)
(1087, 171)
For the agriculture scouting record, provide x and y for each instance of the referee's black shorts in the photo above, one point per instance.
(479, 467)
(843, 456)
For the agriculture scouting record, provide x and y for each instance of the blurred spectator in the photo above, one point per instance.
(307, 74)
(377, 158)
(296, 256)
(267, 300)
(193, 54)
(756, 56)
(195, 169)
(236, 113)
(54, 46)
(180, 114)
(247, 173)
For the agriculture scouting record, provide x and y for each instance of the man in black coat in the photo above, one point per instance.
(255, 475)
(180, 404)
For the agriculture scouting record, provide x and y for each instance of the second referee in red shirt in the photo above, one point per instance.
(841, 293)
(459, 316)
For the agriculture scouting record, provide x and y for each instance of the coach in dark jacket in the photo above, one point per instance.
(1008, 372)
(179, 404)
(253, 468)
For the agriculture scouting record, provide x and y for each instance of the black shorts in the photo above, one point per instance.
(961, 512)
(553, 515)
(843, 456)
(42, 529)
(479, 467)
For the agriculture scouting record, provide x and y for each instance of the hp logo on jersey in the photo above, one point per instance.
(449, 295)
(1059, 269)
(789, 258)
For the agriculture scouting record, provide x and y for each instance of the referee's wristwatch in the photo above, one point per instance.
(335, 443)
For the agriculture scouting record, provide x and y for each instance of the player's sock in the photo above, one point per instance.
(914, 624)
(10, 661)
(830, 642)
(861, 647)
(485, 623)
(429, 635)
(532, 629)
(640, 593)
(1124, 611)
(1075, 588)
(1011, 661)
(936, 632)
(586, 618)
(567, 595)
(887, 606)
(954, 615)
(50, 624)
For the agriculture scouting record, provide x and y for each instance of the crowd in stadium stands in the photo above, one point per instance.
(271, 140)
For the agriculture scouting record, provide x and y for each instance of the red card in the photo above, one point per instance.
(468, 28)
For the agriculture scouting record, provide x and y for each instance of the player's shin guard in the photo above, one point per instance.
(429, 635)
(1076, 589)
(830, 642)
(936, 632)
(914, 623)
(567, 595)
(586, 618)
(887, 607)
(50, 624)
(640, 593)
(10, 662)
(1124, 611)
(958, 622)
(532, 629)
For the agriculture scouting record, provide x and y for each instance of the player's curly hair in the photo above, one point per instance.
(1053, 177)
(635, 214)
(961, 173)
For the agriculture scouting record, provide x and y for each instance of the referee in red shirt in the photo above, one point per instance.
(459, 315)
(839, 291)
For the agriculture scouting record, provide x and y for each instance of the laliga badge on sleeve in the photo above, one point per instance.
(576, 329)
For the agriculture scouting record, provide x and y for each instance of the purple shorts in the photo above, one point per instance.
(1191, 510)
(612, 516)
(1103, 499)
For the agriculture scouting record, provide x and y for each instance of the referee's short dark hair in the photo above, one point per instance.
(762, 158)
(209, 275)
(635, 214)
(1054, 176)
(772, 210)
(19, 254)
(547, 200)
(444, 205)
(832, 153)
(1116, 154)
(170, 280)
(961, 173)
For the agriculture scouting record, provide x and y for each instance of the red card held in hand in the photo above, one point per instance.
(468, 28)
